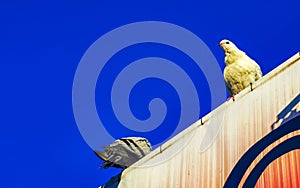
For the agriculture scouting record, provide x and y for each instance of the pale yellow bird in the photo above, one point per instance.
(240, 70)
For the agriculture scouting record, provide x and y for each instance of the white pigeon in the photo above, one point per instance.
(240, 70)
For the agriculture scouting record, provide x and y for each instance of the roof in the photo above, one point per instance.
(208, 153)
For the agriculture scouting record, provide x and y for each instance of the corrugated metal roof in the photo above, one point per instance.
(212, 147)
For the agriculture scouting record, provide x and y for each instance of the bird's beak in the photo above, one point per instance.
(220, 44)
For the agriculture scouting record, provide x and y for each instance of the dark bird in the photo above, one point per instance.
(124, 152)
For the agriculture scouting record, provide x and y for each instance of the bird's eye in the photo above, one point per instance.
(227, 42)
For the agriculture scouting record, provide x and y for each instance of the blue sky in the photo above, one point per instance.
(42, 44)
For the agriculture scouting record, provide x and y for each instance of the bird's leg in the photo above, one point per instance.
(231, 97)
(251, 88)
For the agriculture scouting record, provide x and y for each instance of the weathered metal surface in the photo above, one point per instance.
(206, 159)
